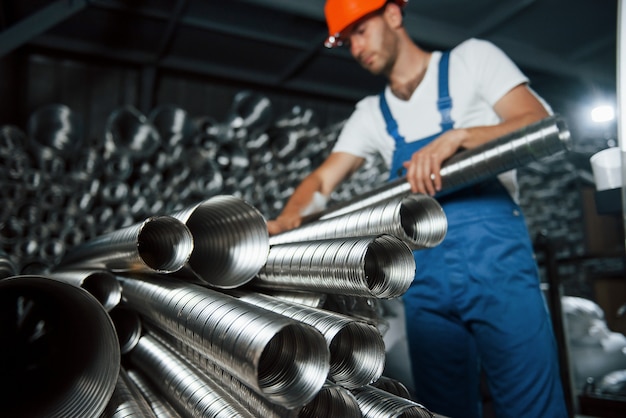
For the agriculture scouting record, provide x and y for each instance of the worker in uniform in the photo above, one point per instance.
(475, 304)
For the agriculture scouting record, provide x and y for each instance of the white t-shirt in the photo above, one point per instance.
(480, 74)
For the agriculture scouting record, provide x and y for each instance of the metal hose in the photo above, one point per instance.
(160, 244)
(357, 349)
(393, 386)
(547, 137)
(332, 401)
(102, 284)
(127, 400)
(231, 241)
(160, 407)
(42, 321)
(183, 385)
(285, 360)
(417, 219)
(377, 403)
(378, 266)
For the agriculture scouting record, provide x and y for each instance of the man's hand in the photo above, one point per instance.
(283, 223)
(423, 169)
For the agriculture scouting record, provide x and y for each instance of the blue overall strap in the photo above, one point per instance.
(444, 102)
(390, 122)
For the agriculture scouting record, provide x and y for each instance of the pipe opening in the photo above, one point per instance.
(104, 287)
(164, 244)
(389, 267)
(423, 221)
(293, 365)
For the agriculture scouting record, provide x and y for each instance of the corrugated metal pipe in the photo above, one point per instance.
(547, 137)
(377, 266)
(160, 407)
(283, 359)
(127, 401)
(159, 244)
(416, 219)
(102, 284)
(357, 349)
(42, 321)
(231, 242)
(377, 403)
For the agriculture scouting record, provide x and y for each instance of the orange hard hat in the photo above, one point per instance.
(342, 13)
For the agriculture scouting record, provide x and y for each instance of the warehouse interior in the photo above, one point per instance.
(117, 110)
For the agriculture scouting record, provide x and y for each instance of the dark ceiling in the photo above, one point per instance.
(278, 43)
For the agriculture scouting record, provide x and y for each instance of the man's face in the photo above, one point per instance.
(371, 43)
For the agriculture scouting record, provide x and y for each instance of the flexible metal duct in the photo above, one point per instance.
(127, 400)
(46, 373)
(376, 403)
(378, 266)
(174, 126)
(128, 131)
(102, 284)
(311, 299)
(160, 244)
(256, 403)
(231, 242)
(283, 359)
(393, 386)
(357, 349)
(332, 401)
(416, 219)
(160, 407)
(541, 139)
(57, 128)
(183, 385)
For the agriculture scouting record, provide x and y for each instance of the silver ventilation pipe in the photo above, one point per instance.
(547, 137)
(378, 266)
(333, 400)
(160, 244)
(160, 407)
(377, 403)
(127, 401)
(417, 219)
(102, 284)
(357, 349)
(283, 359)
(231, 241)
(42, 320)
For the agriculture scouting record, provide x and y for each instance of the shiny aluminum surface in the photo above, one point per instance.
(42, 321)
(416, 219)
(332, 401)
(376, 266)
(376, 403)
(160, 244)
(547, 137)
(159, 406)
(283, 359)
(184, 386)
(102, 284)
(357, 349)
(231, 241)
(127, 401)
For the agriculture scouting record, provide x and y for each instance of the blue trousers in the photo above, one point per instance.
(476, 303)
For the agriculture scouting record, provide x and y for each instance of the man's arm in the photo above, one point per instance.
(516, 109)
(324, 179)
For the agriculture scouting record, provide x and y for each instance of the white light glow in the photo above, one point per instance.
(603, 113)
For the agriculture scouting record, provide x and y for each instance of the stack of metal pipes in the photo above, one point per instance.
(191, 309)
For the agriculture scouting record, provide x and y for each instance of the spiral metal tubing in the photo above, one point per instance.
(102, 284)
(381, 267)
(283, 359)
(231, 241)
(393, 386)
(417, 219)
(357, 349)
(184, 386)
(547, 137)
(127, 401)
(377, 403)
(160, 407)
(160, 244)
(42, 320)
(332, 401)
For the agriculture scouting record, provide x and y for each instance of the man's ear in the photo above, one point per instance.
(393, 14)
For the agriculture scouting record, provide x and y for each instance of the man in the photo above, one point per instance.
(475, 303)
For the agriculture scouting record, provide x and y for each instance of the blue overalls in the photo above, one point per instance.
(476, 302)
